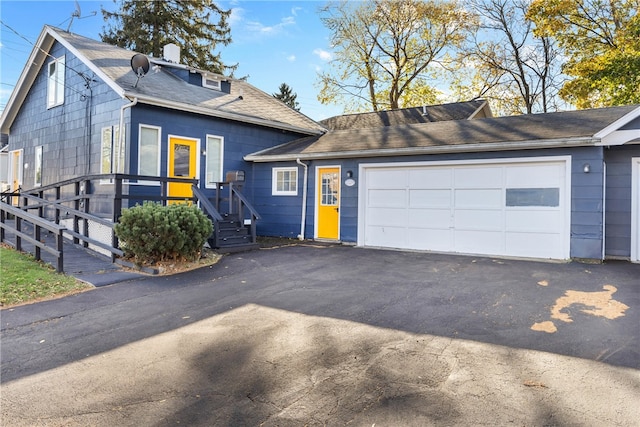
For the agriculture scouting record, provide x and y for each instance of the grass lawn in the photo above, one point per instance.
(23, 279)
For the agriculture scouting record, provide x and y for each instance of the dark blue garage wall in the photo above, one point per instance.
(240, 139)
(586, 195)
(618, 200)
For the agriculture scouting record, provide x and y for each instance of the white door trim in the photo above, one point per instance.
(635, 209)
(362, 186)
(317, 195)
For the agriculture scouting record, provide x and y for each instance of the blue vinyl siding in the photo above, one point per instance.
(240, 139)
(70, 133)
(618, 200)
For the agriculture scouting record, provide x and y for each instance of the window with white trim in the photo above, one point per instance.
(38, 167)
(214, 160)
(111, 151)
(284, 181)
(55, 82)
(149, 150)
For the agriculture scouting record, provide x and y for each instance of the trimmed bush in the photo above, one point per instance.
(151, 233)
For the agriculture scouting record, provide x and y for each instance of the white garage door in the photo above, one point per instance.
(515, 208)
(635, 209)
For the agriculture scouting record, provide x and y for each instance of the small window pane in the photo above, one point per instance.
(105, 154)
(149, 152)
(38, 168)
(329, 196)
(285, 181)
(547, 197)
(181, 157)
(214, 160)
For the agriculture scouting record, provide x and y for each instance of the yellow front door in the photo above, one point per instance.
(183, 155)
(328, 202)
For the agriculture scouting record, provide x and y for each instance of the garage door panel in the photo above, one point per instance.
(479, 242)
(387, 198)
(430, 178)
(391, 237)
(382, 179)
(536, 221)
(433, 240)
(478, 177)
(387, 216)
(479, 198)
(429, 218)
(437, 198)
(534, 245)
(478, 220)
(535, 175)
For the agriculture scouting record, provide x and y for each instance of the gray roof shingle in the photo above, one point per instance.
(245, 102)
(496, 133)
(406, 116)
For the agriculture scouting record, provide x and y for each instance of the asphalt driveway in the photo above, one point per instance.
(309, 335)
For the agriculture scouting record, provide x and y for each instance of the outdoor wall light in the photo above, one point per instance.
(586, 168)
(349, 174)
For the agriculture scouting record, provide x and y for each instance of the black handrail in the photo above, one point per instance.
(38, 225)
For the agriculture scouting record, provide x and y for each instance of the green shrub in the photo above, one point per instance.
(151, 232)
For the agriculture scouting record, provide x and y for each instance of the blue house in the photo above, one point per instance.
(448, 178)
(80, 109)
(547, 186)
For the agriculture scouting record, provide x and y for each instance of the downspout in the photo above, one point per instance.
(304, 198)
(121, 124)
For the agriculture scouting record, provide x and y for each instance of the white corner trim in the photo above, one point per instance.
(635, 209)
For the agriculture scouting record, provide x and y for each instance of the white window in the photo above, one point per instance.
(112, 151)
(284, 181)
(149, 150)
(214, 160)
(211, 82)
(38, 167)
(55, 83)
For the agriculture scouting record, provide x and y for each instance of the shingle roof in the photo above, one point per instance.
(407, 116)
(159, 87)
(497, 133)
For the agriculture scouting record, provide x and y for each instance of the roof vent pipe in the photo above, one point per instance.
(171, 53)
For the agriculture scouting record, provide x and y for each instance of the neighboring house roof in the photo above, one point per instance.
(112, 64)
(570, 128)
(433, 113)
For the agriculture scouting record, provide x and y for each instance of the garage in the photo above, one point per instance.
(514, 207)
(635, 209)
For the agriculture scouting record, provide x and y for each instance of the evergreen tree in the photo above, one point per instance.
(287, 96)
(146, 26)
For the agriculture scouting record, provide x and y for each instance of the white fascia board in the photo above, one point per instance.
(96, 70)
(620, 137)
(610, 135)
(220, 114)
(413, 151)
(480, 108)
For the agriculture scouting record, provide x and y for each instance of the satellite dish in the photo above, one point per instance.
(140, 65)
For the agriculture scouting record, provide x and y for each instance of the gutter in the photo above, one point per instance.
(411, 151)
(121, 124)
(225, 115)
(304, 199)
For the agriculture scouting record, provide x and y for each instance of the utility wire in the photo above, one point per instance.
(79, 73)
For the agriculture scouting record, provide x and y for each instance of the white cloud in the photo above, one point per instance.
(259, 28)
(294, 10)
(291, 58)
(322, 54)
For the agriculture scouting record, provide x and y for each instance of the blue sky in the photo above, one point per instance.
(273, 41)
